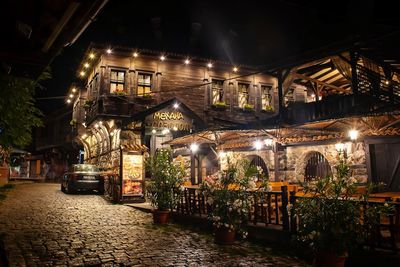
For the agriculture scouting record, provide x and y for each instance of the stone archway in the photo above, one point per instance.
(258, 161)
(302, 161)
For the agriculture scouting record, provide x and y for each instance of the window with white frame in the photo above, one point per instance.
(144, 84)
(266, 97)
(217, 89)
(117, 81)
(243, 89)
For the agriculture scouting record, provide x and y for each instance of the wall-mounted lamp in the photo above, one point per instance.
(258, 144)
(353, 134)
(194, 147)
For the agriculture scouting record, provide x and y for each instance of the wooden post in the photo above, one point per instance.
(280, 94)
(354, 80)
(276, 163)
(293, 222)
(285, 214)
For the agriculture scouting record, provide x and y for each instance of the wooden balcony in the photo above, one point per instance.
(109, 106)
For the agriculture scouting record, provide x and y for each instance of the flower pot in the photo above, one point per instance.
(160, 216)
(224, 236)
(329, 259)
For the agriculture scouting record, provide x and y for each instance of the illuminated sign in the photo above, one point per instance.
(169, 119)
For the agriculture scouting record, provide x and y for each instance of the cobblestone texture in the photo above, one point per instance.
(45, 227)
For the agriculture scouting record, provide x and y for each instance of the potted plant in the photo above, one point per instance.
(120, 93)
(228, 195)
(73, 122)
(330, 214)
(165, 185)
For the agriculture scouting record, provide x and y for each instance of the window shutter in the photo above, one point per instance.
(257, 97)
(235, 95)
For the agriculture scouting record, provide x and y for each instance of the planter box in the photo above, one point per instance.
(219, 107)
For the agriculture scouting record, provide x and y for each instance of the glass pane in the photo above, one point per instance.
(114, 75)
(113, 88)
(120, 87)
(121, 77)
(147, 79)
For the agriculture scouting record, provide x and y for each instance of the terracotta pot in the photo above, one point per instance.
(160, 216)
(329, 259)
(224, 236)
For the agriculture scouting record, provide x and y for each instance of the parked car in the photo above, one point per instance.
(82, 177)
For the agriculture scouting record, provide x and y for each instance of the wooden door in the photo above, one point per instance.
(385, 165)
(317, 167)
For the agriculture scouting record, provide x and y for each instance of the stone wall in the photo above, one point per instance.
(297, 157)
(293, 160)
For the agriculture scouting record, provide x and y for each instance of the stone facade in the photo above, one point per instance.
(293, 159)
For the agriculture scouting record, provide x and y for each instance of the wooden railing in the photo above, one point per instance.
(271, 208)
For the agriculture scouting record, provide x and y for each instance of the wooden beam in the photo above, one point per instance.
(319, 82)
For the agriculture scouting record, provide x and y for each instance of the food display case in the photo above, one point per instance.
(132, 176)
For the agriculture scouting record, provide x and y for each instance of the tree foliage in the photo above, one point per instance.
(18, 113)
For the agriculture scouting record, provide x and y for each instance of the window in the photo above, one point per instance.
(243, 89)
(144, 84)
(117, 81)
(217, 91)
(266, 97)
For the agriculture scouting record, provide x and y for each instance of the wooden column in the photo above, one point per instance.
(354, 80)
(276, 163)
(280, 93)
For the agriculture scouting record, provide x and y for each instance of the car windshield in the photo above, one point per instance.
(85, 168)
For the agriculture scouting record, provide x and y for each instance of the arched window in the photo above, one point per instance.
(317, 167)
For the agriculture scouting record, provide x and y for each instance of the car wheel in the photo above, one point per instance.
(70, 188)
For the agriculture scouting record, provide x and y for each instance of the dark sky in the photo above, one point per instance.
(248, 32)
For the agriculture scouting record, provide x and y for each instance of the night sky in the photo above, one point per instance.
(242, 32)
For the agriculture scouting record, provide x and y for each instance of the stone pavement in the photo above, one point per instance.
(45, 227)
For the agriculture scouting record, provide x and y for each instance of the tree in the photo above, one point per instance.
(18, 113)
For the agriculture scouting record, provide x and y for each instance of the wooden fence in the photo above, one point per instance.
(271, 209)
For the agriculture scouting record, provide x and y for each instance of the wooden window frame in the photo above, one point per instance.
(247, 84)
(270, 93)
(221, 97)
(146, 73)
(117, 82)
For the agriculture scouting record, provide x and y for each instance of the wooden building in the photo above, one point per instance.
(292, 120)
(131, 102)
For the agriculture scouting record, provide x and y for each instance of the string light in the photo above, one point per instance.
(235, 69)
(162, 58)
(86, 65)
(187, 61)
(73, 90)
(68, 101)
(71, 95)
(209, 65)
(82, 73)
(91, 56)
(109, 51)
(176, 106)
(135, 54)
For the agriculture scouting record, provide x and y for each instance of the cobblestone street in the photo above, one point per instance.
(45, 227)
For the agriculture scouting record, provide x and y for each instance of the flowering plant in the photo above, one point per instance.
(333, 217)
(166, 182)
(228, 194)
